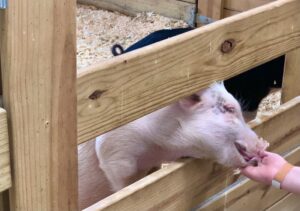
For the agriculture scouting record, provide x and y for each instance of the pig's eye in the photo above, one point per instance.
(229, 108)
(195, 98)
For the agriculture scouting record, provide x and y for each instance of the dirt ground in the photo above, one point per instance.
(99, 30)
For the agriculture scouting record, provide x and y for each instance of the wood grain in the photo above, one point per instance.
(189, 1)
(139, 82)
(228, 13)
(244, 5)
(281, 128)
(211, 8)
(1, 202)
(4, 201)
(290, 203)
(184, 10)
(5, 176)
(38, 63)
(169, 189)
(166, 189)
(291, 87)
(1, 31)
(249, 195)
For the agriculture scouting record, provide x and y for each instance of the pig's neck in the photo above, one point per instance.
(161, 133)
(163, 129)
(155, 155)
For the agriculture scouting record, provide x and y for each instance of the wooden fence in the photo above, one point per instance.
(38, 67)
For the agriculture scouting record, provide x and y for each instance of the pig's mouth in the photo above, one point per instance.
(243, 152)
(252, 158)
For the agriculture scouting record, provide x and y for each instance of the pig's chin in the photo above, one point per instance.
(234, 160)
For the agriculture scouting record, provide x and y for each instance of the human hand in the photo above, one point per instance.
(266, 170)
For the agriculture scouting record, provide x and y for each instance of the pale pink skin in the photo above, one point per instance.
(209, 128)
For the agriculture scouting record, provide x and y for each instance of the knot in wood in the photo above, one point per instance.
(227, 46)
(96, 94)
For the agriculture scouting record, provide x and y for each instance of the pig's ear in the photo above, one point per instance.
(190, 102)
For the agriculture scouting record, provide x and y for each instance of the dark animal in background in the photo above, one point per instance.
(249, 87)
(252, 86)
(150, 39)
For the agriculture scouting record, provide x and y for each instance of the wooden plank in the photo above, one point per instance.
(189, 1)
(1, 31)
(184, 10)
(5, 174)
(291, 87)
(249, 195)
(290, 203)
(4, 201)
(244, 5)
(5, 177)
(1, 202)
(169, 188)
(228, 13)
(166, 189)
(211, 8)
(270, 127)
(132, 85)
(38, 63)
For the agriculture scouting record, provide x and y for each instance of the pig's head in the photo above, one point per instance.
(214, 124)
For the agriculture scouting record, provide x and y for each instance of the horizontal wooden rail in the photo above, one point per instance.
(5, 177)
(249, 195)
(291, 87)
(185, 184)
(125, 88)
(289, 202)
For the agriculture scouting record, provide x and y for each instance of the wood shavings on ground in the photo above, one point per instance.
(270, 103)
(98, 30)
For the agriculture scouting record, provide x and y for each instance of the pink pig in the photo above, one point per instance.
(208, 124)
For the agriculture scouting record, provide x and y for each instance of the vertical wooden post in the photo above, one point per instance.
(4, 201)
(210, 8)
(291, 78)
(38, 59)
(1, 37)
(3, 195)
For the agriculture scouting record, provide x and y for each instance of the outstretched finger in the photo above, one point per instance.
(249, 170)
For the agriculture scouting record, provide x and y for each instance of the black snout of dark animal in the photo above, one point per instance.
(117, 50)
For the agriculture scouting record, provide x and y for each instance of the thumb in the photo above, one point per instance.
(250, 171)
